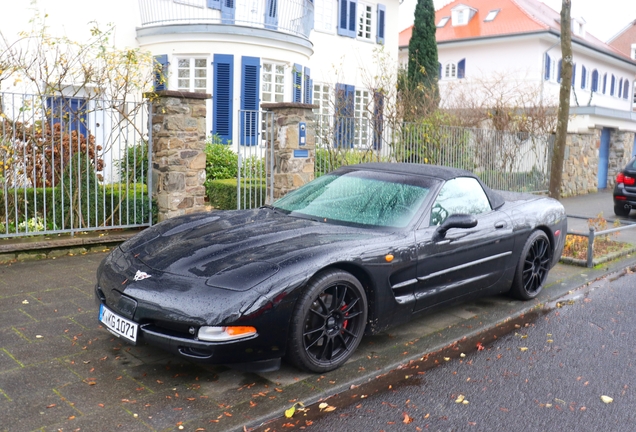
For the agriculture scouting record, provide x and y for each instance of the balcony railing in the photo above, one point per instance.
(294, 17)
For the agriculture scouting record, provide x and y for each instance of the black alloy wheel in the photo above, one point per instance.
(533, 267)
(328, 322)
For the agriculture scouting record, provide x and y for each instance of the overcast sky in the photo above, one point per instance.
(604, 18)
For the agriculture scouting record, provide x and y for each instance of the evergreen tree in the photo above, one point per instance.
(423, 64)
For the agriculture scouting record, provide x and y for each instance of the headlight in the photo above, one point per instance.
(220, 334)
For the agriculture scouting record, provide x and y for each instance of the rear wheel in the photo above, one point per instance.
(533, 266)
(328, 322)
(620, 210)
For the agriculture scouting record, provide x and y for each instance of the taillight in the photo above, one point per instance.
(626, 180)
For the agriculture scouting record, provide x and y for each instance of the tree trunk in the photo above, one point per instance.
(556, 167)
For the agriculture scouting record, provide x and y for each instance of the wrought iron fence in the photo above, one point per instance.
(70, 164)
(503, 160)
(255, 182)
(287, 16)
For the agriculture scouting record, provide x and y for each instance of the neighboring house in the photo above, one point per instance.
(520, 39)
(625, 41)
(248, 52)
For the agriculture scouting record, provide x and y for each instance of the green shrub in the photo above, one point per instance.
(220, 161)
(328, 160)
(222, 193)
(133, 167)
(109, 205)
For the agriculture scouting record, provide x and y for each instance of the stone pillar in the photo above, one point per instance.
(293, 160)
(178, 152)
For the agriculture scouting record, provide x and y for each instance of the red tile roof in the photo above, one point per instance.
(514, 17)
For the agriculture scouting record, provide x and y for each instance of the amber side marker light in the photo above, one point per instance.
(388, 258)
(219, 334)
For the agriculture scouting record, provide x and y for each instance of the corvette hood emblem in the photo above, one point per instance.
(141, 275)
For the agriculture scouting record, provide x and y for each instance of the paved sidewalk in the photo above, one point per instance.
(60, 371)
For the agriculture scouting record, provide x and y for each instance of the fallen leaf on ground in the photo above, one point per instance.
(607, 399)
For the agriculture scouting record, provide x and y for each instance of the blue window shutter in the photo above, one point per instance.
(461, 69)
(573, 74)
(223, 95)
(439, 74)
(583, 76)
(378, 119)
(625, 89)
(161, 72)
(559, 67)
(620, 88)
(344, 115)
(347, 18)
(594, 80)
(250, 85)
(297, 83)
(307, 97)
(228, 9)
(604, 83)
(343, 6)
(353, 17)
(547, 67)
(381, 21)
(214, 4)
(78, 108)
(271, 15)
(612, 85)
(70, 113)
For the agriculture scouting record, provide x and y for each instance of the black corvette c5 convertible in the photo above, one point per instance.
(358, 250)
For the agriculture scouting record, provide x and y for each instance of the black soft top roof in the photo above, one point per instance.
(437, 171)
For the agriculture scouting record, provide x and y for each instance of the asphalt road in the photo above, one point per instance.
(548, 375)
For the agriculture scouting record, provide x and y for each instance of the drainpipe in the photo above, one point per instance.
(543, 68)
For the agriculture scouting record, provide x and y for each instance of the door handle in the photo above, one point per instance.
(500, 224)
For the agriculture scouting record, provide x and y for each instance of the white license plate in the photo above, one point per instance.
(119, 325)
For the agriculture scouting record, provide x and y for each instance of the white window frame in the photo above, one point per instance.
(363, 99)
(450, 71)
(325, 16)
(492, 15)
(553, 69)
(366, 22)
(192, 74)
(633, 51)
(442, 22)
(278, 69)
(323, 97)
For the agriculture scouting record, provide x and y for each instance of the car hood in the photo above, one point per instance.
(225, 245)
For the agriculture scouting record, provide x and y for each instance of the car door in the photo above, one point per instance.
(462, 260)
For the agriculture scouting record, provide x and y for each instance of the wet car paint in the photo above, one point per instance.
(249, 267)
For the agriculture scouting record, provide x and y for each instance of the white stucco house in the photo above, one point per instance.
(242, 52)
(520, 39)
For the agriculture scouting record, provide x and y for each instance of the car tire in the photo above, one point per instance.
(533, 266)
(328, 322)
(620, 210)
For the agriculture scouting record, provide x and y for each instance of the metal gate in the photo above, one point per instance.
(255, 183)
(70, 164)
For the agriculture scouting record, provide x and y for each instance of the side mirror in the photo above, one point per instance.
(454, 221)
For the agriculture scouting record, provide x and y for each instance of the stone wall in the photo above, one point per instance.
(292, 167)
(620, 152)
(178, 160)
(580, 165)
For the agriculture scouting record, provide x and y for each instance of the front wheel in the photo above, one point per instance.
(328, 322)
(533, 266)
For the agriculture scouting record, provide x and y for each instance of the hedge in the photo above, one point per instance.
(112, 204)
(222, 193)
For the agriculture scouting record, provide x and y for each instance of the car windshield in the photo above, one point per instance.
(360, 197)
